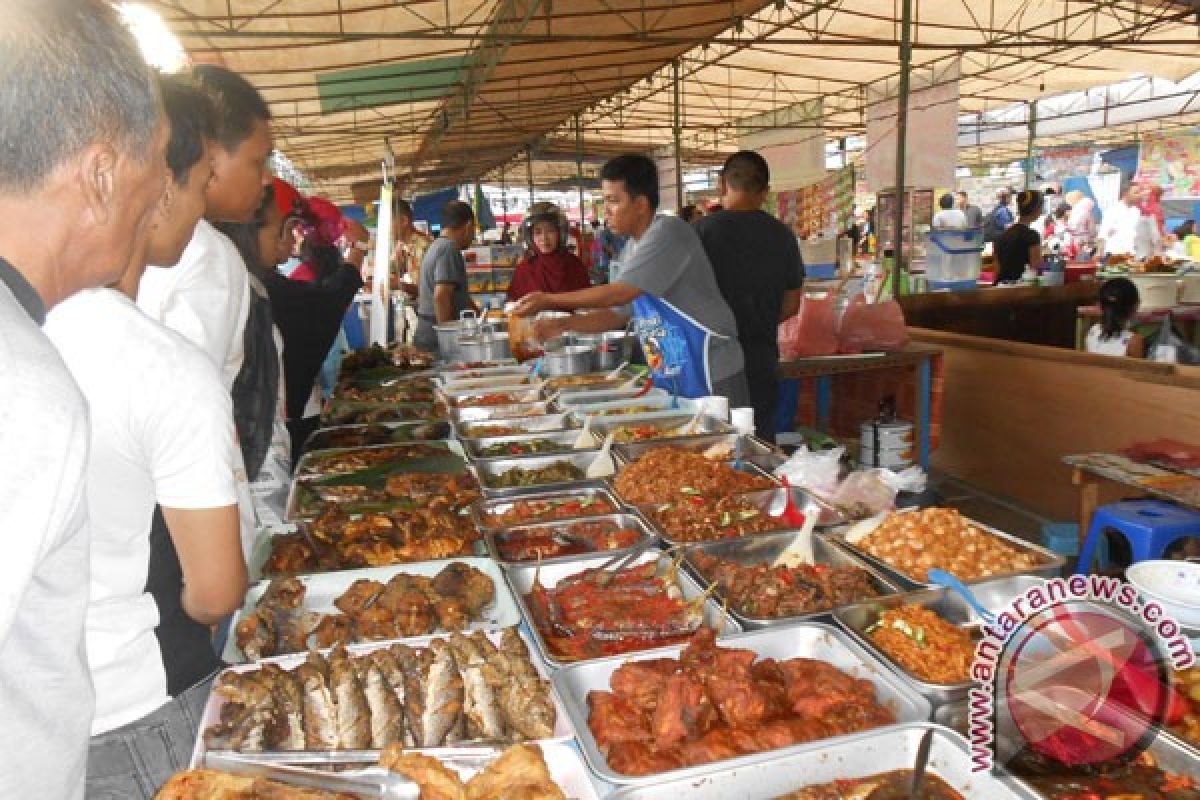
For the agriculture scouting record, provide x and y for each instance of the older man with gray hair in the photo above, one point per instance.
(81, 170)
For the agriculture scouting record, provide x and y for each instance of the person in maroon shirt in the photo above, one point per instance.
(548, 265)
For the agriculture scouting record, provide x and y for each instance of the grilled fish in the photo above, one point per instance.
(389, 666)
(441, 717)
(289, 699)
(415, 664)
(350, 705)
(387, 714)
(251, 731)
(525, 696)
(320, 724)
(483, 717)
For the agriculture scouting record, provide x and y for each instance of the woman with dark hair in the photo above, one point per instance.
(548, 265)
(1020, 246)
(308, 315)
(1111, 336)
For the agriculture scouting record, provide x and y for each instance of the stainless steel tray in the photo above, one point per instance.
(320, 439)
(405, 412)
(1169, 753)
(521, 394)
(764, 549)
(475, 447)
(805, 640)
(950, 606)
(1051, 567)
(563, 730)
(747, 467)
(662, 402)
(623, 520)
(754, 450)
(663, 421)
(784, 771)
(771, 501)
(521, 580)
(306, 469)
(535, 424)
(325, 587)
(489, 469)
(601, 383)
(586, 492)
(480, 413)
(610, 395)
(504, 366)
(517, 377)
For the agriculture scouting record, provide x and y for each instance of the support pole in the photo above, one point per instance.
(901, 143)
(1029, 144)
(579, 170)
(677, 129)
(529, 172)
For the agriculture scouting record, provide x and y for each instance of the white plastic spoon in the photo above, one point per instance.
(616, 373)
(585, 440)
(603, 465)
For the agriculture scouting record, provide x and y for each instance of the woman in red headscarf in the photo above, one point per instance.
(321, 225)
(548, 265)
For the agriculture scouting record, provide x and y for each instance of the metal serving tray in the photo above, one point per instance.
(594, 490)
(563, 725)
(861, 756)
(752, 469)
(519, 377)
(685, 410)
(325, 587)
(805, 640)
(497, 367)
(754, 450)
(764, 548)
(475, 447)
(1169, 753)
(490, 469)
(610, 395)
(320, 439)
(409, 412)
(521, 580)
(534, 424)
(661, 402)
(770, 501)
(521, 394)
(623, 520)
(306, 469)
(663, 421)
(948, 605)
(1051, 567)
(602, 382)
(481, 413)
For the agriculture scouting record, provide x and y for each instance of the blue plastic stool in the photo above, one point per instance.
(1150, 526)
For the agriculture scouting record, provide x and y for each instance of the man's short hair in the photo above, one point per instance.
(70, 75)
(962, 194)
(238, 104)
(946, 200)
(401, 207)
(456, 214)
(193, 123)
(637, 172)
(746, 171)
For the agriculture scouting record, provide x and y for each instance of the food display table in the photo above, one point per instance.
(1088, 470)
(453, 546)
(919, 358)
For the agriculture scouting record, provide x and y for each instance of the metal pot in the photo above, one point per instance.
(487, 346)
(577, 359)
(613, 348)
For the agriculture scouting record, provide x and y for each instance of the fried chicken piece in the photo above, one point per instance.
(613, 720)
(334, 629)
(255, 634)
(374, 624)
(641, 683)
(520, 772)
(290, 552)
(451, 613)
(682, 712)
(713, 746)
(359, 596)
(463, 581)
(639, 758)
(437, 781)
(205, 784)
(738, 700)
(283, 593)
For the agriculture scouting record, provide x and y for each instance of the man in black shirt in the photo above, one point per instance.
(757, 263)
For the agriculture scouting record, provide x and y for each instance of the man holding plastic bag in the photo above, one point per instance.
(665, 285)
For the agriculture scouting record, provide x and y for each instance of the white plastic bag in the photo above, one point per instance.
(817, 471)
(867, 492)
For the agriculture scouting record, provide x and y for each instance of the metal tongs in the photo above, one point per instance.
(372, 782)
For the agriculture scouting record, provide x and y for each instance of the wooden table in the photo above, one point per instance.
(1090, 470)
(823, 368)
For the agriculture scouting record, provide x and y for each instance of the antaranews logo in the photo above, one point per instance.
(1075, 669)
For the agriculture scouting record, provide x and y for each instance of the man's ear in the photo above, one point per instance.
(98, 180)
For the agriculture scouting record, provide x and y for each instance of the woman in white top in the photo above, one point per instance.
(1119, 226)
(1111, 336)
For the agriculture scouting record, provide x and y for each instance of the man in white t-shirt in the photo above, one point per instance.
(206, 296)
(82, 168)
(161, 495)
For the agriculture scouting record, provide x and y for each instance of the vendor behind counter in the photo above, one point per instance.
(1019, 246)
(666, 286)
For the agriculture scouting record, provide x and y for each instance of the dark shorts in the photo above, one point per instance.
(133, 761)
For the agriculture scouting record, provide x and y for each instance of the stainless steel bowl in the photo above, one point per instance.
(570, 360)
(613, 348)
(487, 346)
